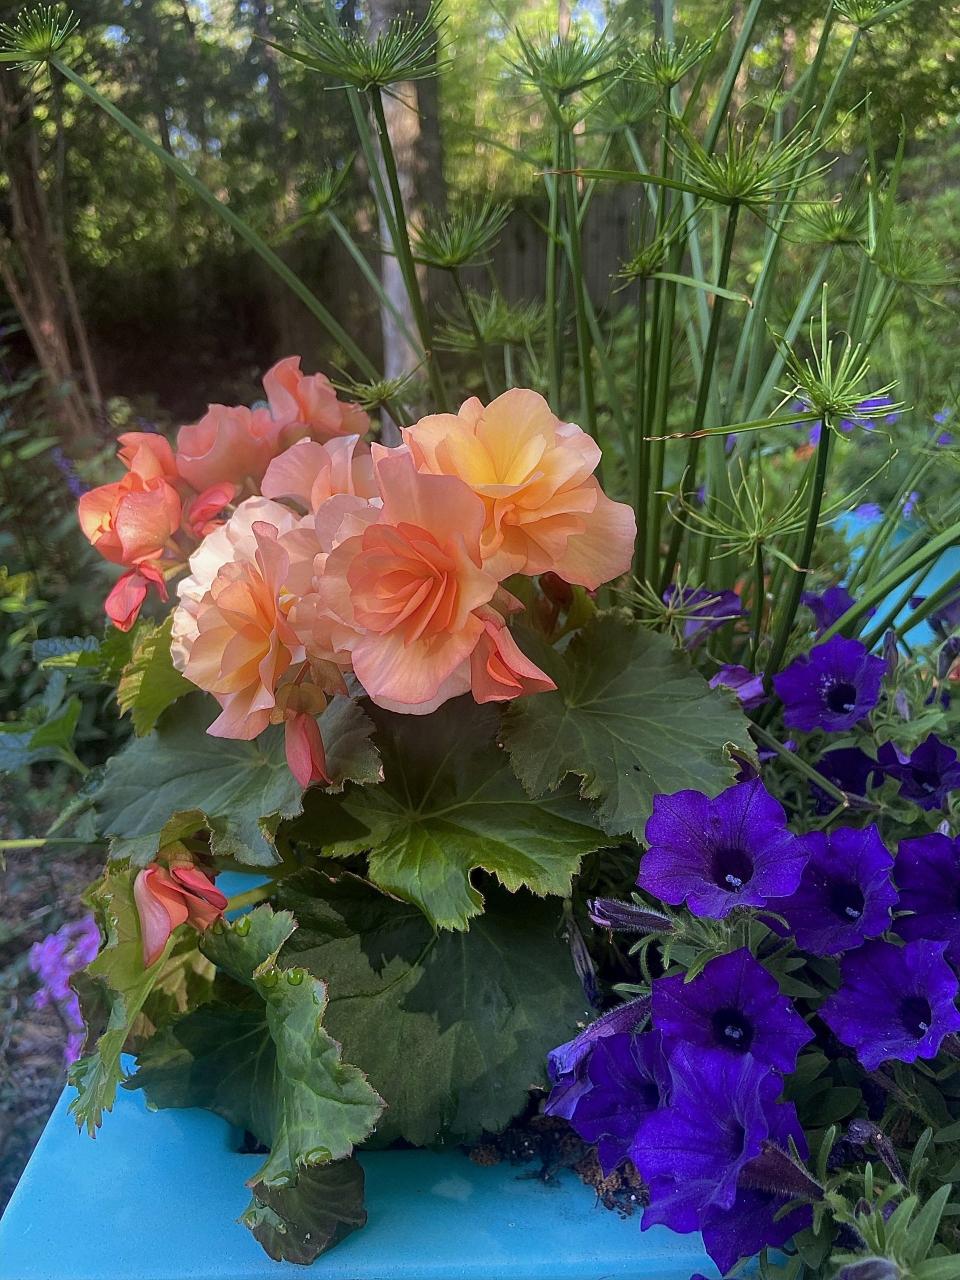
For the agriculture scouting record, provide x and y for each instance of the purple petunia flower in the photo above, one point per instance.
(894, 1002)
(567, 1064)
(55, 960)
(848, 768)
(735, 1005)
(928, 873)
(832, 687)
(828, 606)
(702, 611)
(868, 511)
(745, 684)
(629, 1081)
(751, 1223)
(731, 851)
(722, 1108)
(927, 775)
(845, 893)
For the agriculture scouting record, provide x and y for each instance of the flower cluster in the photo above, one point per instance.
(692, 1081)
(55, 960)
(169, 499)
(387, 563)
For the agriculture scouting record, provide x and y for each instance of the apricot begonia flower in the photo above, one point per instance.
(200, 514)
(309, 473)
(499, 670)
(244, 643)
(233, 540)
(306, 758)
(148, 454)
(125, 600)
(230, 444)
(130, 520)
(409, 583)
(544, 510)
(307, 405)
(167, 899)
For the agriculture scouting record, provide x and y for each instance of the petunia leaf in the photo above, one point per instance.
(286, 1080)
(448, 804)
(178, 780)
(149, 682)
(472, 1014)
(630, 718)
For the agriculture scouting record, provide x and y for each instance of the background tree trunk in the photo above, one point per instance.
(35, 272)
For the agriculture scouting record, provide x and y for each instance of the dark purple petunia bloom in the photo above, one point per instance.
(946, 620)
(750, 1224)
(848, 768)
(845, 893)
(722, 1108)
(735, 1005)
(928, 873)
(832, 687)
(701, 610)
(629, 1080)
(828, 606)
(567, 1064)
(927, 775)
(745, 684)
(894, 1002)
(731, 851)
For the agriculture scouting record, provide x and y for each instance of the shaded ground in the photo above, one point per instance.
(39, 891)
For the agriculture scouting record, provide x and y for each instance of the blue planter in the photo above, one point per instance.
(157, 1195)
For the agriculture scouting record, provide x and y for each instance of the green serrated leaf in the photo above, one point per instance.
(286, 1082)
(178, 780)
(449, 803)
(630, 717)
(298, 1223)
(67, 651)
(476, 1012)
(149, 682)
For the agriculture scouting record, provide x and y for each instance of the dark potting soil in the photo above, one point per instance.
(552, 1143)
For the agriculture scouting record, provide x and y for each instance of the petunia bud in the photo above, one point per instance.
(870, 1269)
(627, 917)
(776, 1171)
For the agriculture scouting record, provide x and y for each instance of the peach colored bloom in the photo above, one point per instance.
(167, 899)
(148, 454)
(125, 600)
(200, 514)
(309, 473)
(131, 520)
(544, 511)
(499, 670)
(244, 643)
(307, 405)
(230, 444)
(405, 588)
(234, 540)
